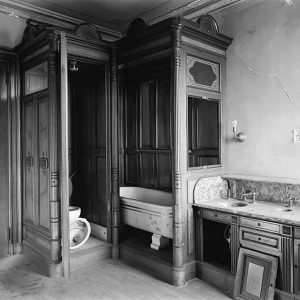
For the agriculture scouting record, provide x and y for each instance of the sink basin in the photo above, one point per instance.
(239, 204)
(284, 209)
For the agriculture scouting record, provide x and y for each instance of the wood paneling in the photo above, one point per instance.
(163, 114)
(36, 160)
(89, 142)
(147, 170)
(43, 162)
(164, 170)
(4, 160)
(29, 150)
(147, 132)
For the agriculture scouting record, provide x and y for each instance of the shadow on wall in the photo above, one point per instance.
(11, 31)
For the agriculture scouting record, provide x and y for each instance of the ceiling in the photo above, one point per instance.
(117, 14)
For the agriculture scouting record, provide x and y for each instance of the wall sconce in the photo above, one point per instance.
(241, 137)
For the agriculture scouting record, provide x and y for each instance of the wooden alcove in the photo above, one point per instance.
(156, 58)
(46, 143)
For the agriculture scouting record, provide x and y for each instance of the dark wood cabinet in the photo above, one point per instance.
(40, 161)
(297, 266)
(219, 237)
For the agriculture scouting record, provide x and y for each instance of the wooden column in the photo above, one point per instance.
(114, 157)
(53, 160)
(178, 274)
(64, 148)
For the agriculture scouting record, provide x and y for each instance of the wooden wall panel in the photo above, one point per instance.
(147, 132)
(90, 140)
(100, 203)
(29, 154)
(164, 170)
(83, 185)
(148, 114)
(147, 170)
(131, 160)
(163, 114)
(131, 113)
(4, 160)
(43, 156)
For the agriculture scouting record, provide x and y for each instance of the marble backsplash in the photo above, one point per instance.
(272, 191)
(211, 188)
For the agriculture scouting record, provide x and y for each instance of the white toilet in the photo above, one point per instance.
(80, 228)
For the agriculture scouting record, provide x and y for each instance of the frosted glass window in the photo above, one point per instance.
(36, 79)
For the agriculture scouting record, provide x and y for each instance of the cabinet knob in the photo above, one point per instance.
(296, 266)
(258, 224)
(259, 239)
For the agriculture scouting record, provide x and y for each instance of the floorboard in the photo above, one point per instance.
(110, 279)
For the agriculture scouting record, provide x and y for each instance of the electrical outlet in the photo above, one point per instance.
(296, 135)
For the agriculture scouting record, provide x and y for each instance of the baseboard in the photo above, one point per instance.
(44, 266)
(89, 254)
(98, 231)
(155, 267)
(190, 271)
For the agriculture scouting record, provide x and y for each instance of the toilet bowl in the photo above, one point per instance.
(80, 228)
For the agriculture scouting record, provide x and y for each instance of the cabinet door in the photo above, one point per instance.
(42, 158)
(29, 161)
(297, 266)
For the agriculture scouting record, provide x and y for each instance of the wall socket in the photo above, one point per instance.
(296, 135)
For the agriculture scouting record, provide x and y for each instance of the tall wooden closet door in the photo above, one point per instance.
(43, 161)
(29, 153)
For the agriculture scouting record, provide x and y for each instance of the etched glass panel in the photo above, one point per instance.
(203, 74)
(36, 78)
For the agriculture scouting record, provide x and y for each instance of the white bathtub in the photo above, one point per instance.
(149, 210)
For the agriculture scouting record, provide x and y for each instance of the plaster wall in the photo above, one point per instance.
(11, 31)
(263, 87)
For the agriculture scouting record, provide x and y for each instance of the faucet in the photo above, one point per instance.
(248, 193)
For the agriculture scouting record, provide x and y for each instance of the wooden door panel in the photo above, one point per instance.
(43, 163)
(4, 165)
(147, 169)
(131, 168)
(90, 143)
(164, 171)
(163, 114)
(29, 161)
(131, 114)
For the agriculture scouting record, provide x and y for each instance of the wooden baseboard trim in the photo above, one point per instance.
(44, 266)
(157, 268)
(98, 231)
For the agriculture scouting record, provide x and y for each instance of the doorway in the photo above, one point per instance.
(88, 136)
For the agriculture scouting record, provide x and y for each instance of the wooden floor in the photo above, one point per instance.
(109, 279)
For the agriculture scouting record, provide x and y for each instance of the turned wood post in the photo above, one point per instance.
(114, 156)
(53, 154)
(178, 274)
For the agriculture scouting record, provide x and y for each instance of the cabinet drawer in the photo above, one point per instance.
(219, 216)
(259, 240)
(268, 226)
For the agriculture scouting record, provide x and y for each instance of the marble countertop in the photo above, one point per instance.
(263, 210)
